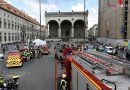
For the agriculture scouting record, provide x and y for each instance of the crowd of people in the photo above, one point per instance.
(121, 51)
(28, 52)
(31, 52)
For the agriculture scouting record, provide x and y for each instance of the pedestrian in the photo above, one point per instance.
(3, 49)
(41, 51)
(38, 52)
(1, 80)
(33, 53)
(24, 54)
(128, 55)
(50, 45)
(63, 83)
(17, 47)
(29, 55)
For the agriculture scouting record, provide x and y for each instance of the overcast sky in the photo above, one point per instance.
(31, 7)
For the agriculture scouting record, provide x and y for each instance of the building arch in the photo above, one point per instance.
(79, 31)
(53, 28)
(66, 27)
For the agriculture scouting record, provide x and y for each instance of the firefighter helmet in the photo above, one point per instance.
(63, 75)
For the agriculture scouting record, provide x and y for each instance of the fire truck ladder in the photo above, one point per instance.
(109, 58)
(105, 65)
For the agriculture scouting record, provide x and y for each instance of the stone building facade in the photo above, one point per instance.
(114, 20)
(15, 25)
(66, 25)
(93, 31)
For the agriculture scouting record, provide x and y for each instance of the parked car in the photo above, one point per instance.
(91, 47)
(1, 56)
(110, 50)
(86, 46)
(101, 49)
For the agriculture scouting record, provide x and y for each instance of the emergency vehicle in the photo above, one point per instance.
(42, 45)
(88, 72)
(14, 59)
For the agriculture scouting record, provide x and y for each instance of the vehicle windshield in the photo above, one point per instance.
(110, 48)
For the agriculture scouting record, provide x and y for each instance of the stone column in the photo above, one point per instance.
(59, 32)
(72, 32)
(86, 32)
(47, 31)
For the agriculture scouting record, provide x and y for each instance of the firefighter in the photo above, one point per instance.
(3, 49)
(63, 83)
(27, 55)
(39, 52)
(1, 79)
(79, 49)
(30, 54)
(33, 53)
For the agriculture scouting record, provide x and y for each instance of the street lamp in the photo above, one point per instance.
(40, 15)
(84, 20)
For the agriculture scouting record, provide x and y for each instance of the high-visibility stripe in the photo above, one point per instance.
(13, 60)
(99, 88)
(13, 57)
(64, 82)
(11, 63)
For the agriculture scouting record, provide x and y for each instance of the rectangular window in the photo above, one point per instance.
(18, 36)
(5, 37)
(15, 36)
(8, 25)
(12, 26)
(4, 25)
(12, 36)
(18, 27)
(0, 37)
(0, 24)
(9, 36)
(15, 27)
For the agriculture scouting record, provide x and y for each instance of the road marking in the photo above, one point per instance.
(21, 74)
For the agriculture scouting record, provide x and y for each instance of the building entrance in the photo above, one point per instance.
(66, 30)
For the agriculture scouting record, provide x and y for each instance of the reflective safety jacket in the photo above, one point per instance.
(63, 84)
(26, 53)
(1, 80)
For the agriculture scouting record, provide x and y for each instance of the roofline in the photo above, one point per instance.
(8, 7)
(57, 13)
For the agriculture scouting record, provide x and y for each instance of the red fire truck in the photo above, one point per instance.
(81, 78)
